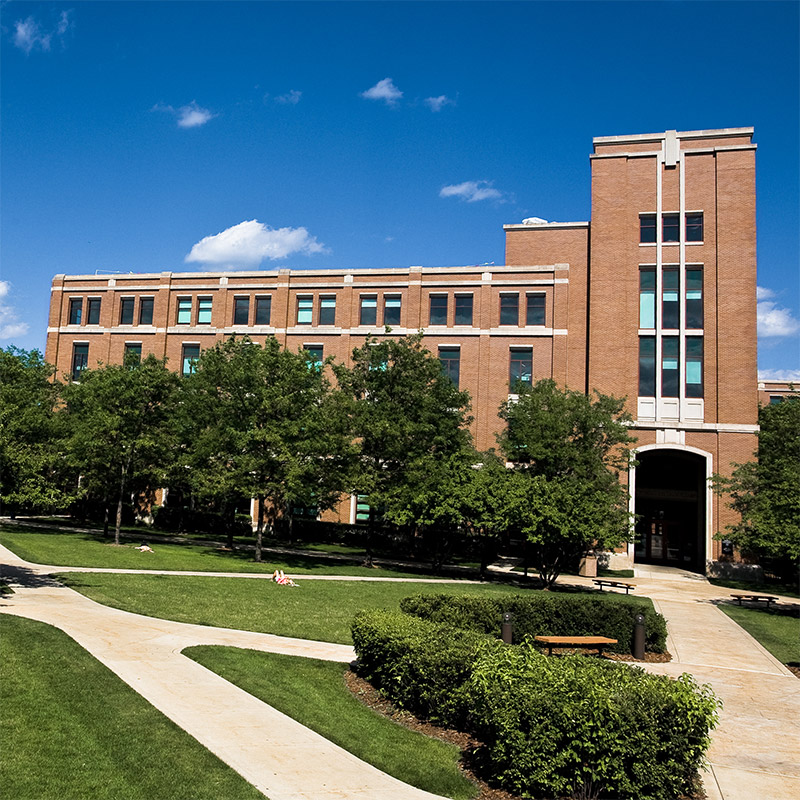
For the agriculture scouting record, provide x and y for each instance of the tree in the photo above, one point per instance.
(765, 492)
(120, 436)
(564, 493)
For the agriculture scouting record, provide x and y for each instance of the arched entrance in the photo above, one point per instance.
(670, 504)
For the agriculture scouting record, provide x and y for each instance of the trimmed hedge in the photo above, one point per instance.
(545, 614)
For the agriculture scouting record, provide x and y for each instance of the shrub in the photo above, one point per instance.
(545, 614)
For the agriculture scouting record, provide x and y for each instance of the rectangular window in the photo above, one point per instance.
(670, 305)
(520, 366)
(647, 228)
(369, 310)
(647, 297)
(204, 310)
(93, 311)
(305, 310)
(647, 366)
(391, 309)
(191, 352)
(362, 508)
(126, 311)
(327, 310)
(451, 362)
(315, 352)
(509, 309)
(80, 360)
(670, 366)
(694, 227)
(694, 297)
(146, 311)
(263, 310)
(438, 315)
(241, 310)
(184, 311)
(463, 309)
(694, 366)
(775, 399)
(133, 350)
(535, 313)
(671, 228)
(75, 310)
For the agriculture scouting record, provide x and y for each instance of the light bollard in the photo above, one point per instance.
(638, 638)
(507, 628)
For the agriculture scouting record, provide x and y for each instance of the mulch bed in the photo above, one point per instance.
(794, 669)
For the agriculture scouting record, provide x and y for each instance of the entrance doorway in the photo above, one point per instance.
(670, 504)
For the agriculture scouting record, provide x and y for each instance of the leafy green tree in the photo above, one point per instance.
(765, 492)
(564, 493)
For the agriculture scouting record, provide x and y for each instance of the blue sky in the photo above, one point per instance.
(363, 134)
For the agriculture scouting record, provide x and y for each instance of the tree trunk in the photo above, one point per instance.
(291, 529)
(106, 514)
(260, 528)
(368, 545)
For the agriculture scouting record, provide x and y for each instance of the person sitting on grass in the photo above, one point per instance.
(279, 578)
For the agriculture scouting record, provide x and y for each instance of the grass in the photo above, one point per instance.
(314, 693)
(776, 629)
(73, 730)
(787, 590)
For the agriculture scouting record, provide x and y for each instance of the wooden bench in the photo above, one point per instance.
(598, 642)
(601, 582)
(756, 598)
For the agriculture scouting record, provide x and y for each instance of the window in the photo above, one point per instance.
(694, 366)
(327, 310)
(369, 309)
(694, 297)
(263, 310)
(204, 310)
(184, 311)
(315, 352)
(133, 350)
(774, 399)
(670, 366)
(647, 228)
(75, 310)
(80, 360)
(191, 352)
(241, 310)
(362, 508)
(647, 297)
(509, 309)
(463, 309)
(520, 366)
(146, 311)
(93, 311)
(694, 227)
(535, 313)
(670, 307)
(438, 315)
(451, 361)
(391, 309)
(647, 366)
(305, 310)
(126, 311)
(671, 228)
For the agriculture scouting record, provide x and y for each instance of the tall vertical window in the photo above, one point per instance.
(315, 353)
(133, 351)
(241, 310)
(694, 366)
(368, 313)
(263, 310)
(75, 310)
(535, 312)
(647, 297)
(694, 297)
(509, 309)
(305, 310)
(463, 309)
(451, 362)
(520, 367)
(204, 310)
(80, 360)
(184, 311)
(93, 311)
(146, 311)
(191, 352)
(362, 508)
(694, 227)
(670, 300)
(647, 228)
(670, 366)
(327, 310)
(391, 309)
(438, 315)
(647, 366)
(670, 227)
(126, 311)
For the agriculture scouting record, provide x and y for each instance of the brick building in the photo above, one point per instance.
(654, 299)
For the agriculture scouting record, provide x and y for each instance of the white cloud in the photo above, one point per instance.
(29, 34)
(292, 97)
(773, 320)
(10, 326)
(249, 243)
(383, 90)
(472, 191)
(789, 375)
(437, 103)
(188, 116)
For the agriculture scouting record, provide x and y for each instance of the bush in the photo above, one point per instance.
(545, 614)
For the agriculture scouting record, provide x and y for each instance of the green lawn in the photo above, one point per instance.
(313, 692)
(776, 629)
(758, 588)
(72, 729)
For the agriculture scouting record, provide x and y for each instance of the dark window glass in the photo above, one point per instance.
(647, 297)
(327, 310)
(184, 311)
(191, 352)
(391, 309)
(670, 305)
(80, 360)
(75, 310)
(520, 366)
(146, 311)
(671, 228)
(204, 310)
(647, 366)
(93, 311)
(536, 310)
(451, 362)
(694, 297)
(694, 366)
(241, 310)
(369, 310)
(315, 352)
(647, 228)
(133, 351)
(509, 309)
(670, 366)
(305, 310)
(126, 311)
(463, 309)
(694, 227)
(263, 309)
(438, 314)
(775, 399)
(362, 508)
